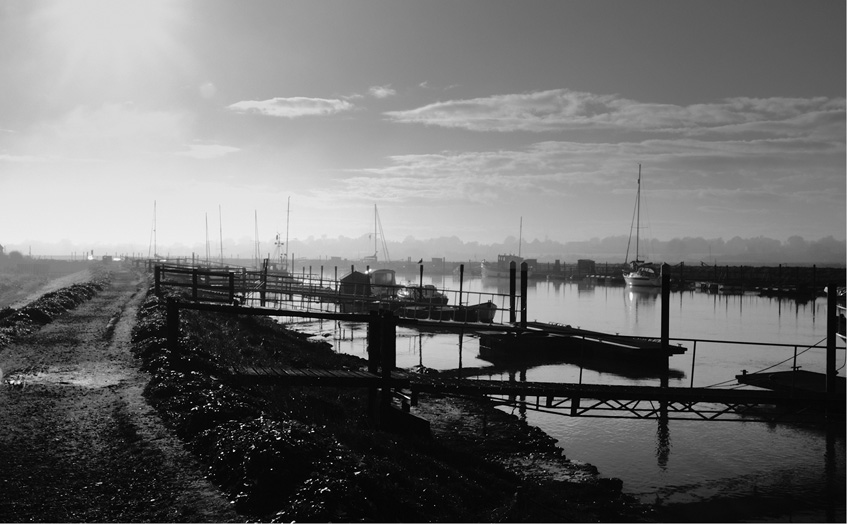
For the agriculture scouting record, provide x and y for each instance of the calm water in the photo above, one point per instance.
(696, 470)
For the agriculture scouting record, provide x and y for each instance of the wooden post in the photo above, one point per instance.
(512, 276)
(231, 287)
(420, 285)
(157, 277)
(524, 284)
(388, 358)
(831, 336)
(172, 324)
(461, 280)
(666, 350)
(264, 283)
(374, 342)
(194, 283)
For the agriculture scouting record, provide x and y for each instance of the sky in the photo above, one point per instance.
(469, 118)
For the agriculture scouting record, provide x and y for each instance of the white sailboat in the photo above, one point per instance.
(640, 273)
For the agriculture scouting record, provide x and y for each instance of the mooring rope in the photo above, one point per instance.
(817, 344)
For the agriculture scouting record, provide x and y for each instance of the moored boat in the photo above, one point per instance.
(501, 268)
(640, 274)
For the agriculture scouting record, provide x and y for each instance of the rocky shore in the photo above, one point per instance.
(308, 454)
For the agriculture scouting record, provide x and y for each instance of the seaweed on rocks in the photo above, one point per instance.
(284, 453)
(20, 322)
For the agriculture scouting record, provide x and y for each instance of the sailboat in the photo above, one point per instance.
(501, 268)
(640, 273)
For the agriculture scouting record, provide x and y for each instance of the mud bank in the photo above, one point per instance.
(312, 454)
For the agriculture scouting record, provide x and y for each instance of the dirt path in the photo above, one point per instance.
(77, 440)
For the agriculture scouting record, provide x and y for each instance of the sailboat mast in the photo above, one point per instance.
(638, 212)
(375, 233)
(155, 249)
(207, 239)
(221, 232)
(287, 217)
(520, 237)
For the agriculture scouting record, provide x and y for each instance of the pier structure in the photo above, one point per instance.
(389, 385)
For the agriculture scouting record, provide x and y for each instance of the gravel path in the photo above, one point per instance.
(77, 440)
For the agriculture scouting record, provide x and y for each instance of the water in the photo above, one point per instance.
(695, 470)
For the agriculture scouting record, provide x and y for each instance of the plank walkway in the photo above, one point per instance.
(315, 377)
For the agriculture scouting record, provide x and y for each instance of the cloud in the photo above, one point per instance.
(382, 91)
(293, 107)
(563, 109)
(207, 151)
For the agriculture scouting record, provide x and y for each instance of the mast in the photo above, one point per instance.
(375, 234)
(520, 237)
(221, 228)
(638, 213)
(257, 253)
(207, 238)
(287, 217)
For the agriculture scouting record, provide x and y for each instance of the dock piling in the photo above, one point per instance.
(524, 283)
(512, 277)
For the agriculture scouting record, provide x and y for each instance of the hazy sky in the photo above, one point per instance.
(454, 117)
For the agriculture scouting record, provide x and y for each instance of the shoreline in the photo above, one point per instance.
(271, 453)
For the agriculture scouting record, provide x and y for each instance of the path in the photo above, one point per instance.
(77, 441)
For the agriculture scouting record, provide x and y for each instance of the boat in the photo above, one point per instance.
(483, 312)
(426, 294)
(500, 269)
(640, 273)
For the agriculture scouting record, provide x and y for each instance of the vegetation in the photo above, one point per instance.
(313, 454)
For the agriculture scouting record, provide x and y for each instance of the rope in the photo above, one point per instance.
(775, 365)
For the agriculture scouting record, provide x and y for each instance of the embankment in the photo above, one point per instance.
(312, 454)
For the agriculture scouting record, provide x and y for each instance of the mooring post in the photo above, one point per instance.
(389, 354)
(666, 307)
(461, 280)
(172, 324)
(374, 337)
(194, 283)
(264, 283)
(157, 278)
(420, 285)
(831, 332)
(513, 271)
(524, 284)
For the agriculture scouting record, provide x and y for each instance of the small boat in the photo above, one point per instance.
(640, 274)
(500, 269)
(426, 294)
(483, 312)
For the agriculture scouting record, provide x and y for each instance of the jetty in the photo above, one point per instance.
(506, 343)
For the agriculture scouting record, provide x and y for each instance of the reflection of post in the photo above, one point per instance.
(833, 494)
(663, 443)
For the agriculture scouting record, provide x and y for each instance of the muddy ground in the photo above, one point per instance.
(100, 422)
